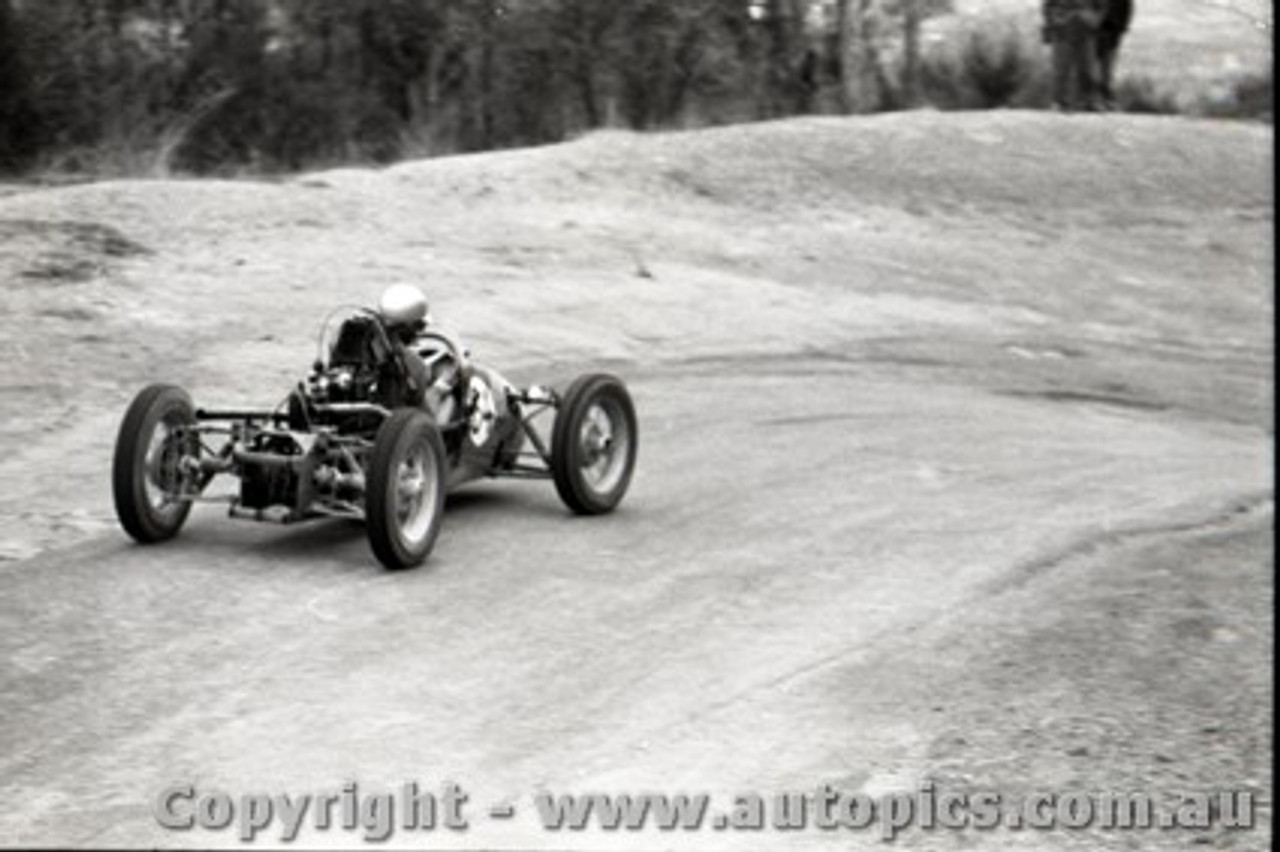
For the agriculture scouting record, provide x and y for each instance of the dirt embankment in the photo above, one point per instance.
(1024, 245)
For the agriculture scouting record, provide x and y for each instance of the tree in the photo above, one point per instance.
(19, 134)
(581, 31)
(854, 34)
(911, 14)
(288, 84)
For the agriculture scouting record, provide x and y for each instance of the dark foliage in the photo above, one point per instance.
(224, 86)
(19, 129)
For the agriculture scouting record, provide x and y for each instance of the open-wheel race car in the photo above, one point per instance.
(393, 415)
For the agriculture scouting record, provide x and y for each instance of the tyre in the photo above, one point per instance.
(146, 471)
(593, 444)
(406, 479)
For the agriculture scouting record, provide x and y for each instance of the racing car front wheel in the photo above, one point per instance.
(593, 444)
(404, 502)
(147, 471)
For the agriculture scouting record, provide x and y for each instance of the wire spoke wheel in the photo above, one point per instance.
(415, 499)
(594, 443)
(162, 466)
(149, 471)
(407, 475)
(604, 446)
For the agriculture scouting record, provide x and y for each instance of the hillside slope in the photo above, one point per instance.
(1135, 249)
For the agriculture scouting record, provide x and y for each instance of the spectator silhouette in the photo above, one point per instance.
(1071, 30)
(1115, 23)
(1084, 37)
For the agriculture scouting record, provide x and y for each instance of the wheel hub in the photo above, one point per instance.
(600, 446)
(413, 508)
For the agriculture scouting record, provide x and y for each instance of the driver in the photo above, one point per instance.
(404, 309)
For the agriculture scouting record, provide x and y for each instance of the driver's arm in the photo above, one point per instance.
(444, 394)
(425, 343)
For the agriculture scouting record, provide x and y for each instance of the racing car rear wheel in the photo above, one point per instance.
(404, 502)
(593, 444)
(147, 471)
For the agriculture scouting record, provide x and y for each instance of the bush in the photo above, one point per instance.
(1250, 96)
(997, 65)
(993, 65)
(1139, 94)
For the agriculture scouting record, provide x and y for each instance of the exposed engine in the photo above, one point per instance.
(364, 364)
(272, 469)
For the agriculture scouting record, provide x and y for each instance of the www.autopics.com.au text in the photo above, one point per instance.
(378, 816)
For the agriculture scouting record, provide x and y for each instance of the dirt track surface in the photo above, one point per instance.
(955, 464)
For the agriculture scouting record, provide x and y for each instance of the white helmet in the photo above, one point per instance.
(403, 304)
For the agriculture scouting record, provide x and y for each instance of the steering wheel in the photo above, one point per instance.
(435, 345)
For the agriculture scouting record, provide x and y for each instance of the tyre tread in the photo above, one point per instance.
(383, 538)
(130, 511)
(572, 404)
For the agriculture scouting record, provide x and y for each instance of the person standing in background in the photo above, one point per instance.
(1115, 23)
(1072, 29)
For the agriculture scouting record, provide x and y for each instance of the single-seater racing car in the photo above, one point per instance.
(393, 415)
